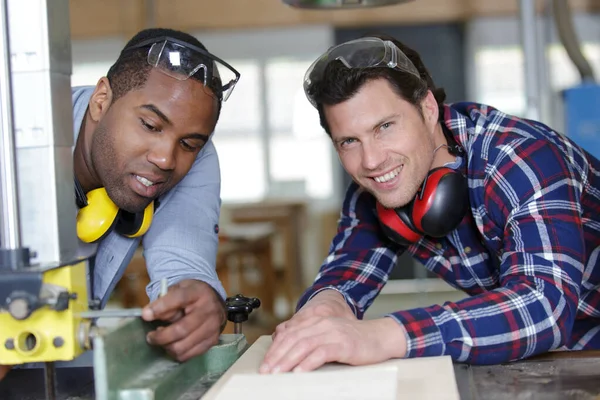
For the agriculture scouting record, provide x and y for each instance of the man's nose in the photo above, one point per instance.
(163, 155)
(372, 156)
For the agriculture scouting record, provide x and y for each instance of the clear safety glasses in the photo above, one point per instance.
(181, 60)
(369, 52)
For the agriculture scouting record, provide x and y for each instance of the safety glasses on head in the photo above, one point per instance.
(368, 52)
(181, 60)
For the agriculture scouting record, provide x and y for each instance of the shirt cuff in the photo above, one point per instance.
(423, 336)
(312, 292)
(153, 289)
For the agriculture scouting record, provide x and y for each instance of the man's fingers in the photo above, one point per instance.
(196, 348)
(208, 329)
(302, 349)
(288, 340)
(175, 316)
(279, 329)
(298, 321)
(168, 306)
(178, 330)
(170, 316)
(301, 323)
(318, 357)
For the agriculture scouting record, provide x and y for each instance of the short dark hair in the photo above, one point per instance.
(131, 69)
(342, 83)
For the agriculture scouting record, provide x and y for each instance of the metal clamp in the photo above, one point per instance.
(239, 308)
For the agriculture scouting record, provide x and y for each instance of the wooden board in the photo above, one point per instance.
(420, 378)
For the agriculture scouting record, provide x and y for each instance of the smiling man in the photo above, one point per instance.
(503, 208)
(147, 172)
(144, 139)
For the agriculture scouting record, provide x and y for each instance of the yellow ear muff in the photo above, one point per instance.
(96, 219)
(134, 225)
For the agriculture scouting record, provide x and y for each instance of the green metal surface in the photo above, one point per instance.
(127, 368)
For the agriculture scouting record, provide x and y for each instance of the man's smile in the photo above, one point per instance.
(388, 175)
(148, 186)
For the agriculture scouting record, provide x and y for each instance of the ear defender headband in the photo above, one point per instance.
(98, 215)
(438, 208)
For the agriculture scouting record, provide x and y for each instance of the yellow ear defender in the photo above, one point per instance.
(98, 215)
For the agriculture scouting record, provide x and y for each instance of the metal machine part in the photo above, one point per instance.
(43, 279)
(533, 60)
(37, 187)
(126, 367)
(239, 309)
(563, 20)
(341, 4)
(43, 334)
(118, 313)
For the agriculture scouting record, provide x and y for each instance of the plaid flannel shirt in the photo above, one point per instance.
(528, 253)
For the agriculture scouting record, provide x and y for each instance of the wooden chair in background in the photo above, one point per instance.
(288, 218)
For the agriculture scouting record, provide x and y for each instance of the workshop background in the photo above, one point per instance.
(282, 184)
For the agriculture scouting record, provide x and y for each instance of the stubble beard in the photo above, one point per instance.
(399, 197)
(105, 162)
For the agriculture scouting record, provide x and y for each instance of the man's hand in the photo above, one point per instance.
(318, 340)
(4, 370)
(326, 330)
(197, 316)
(328, 303)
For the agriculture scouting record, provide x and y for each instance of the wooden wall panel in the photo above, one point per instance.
(92, 18)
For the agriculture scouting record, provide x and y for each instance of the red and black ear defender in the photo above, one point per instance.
(438, 208)
(98, 215)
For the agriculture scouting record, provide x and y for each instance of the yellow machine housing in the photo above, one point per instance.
(48, 335)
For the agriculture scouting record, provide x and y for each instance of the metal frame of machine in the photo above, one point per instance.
(43, 279)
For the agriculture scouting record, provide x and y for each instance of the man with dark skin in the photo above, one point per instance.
(155, 132)
(143, 133)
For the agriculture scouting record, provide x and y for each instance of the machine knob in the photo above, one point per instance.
(19, 308)
(21, 304)
(239, 307)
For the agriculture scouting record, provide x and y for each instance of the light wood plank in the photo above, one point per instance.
(413, 379)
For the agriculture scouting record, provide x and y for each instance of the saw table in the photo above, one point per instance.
(553, 376)
(125, 367)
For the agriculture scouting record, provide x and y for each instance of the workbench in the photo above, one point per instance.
(136, 371)
(553, 376)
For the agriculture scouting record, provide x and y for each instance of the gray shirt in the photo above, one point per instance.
(182, 240)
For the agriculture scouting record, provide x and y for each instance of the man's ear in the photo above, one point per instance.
(431, 111)
(101, 99)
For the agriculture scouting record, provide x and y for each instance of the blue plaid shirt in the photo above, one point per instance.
(528, 253)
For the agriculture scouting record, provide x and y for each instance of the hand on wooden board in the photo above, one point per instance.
(325, 330)
(328, 303)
